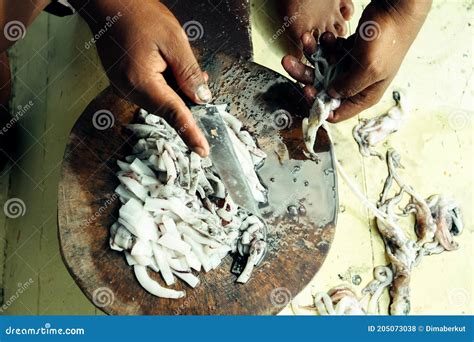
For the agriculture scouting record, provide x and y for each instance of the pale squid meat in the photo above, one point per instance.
(170, 220)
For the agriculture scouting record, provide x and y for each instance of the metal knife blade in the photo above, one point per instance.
(224, 158)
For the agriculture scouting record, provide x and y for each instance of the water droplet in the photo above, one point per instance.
(296, 169)
(272, 179)
(302, 210)
(356, 280)
(328, 171)
(292, 210)
(323, 246)
(306, 183)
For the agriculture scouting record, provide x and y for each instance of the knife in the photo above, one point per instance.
(225, 160)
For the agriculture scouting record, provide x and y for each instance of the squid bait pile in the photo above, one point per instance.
(177, 218)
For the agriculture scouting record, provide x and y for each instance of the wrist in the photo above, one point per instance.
(397, 19)
(404, 8)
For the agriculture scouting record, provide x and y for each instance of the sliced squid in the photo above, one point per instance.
(177, 217)
(152, 286)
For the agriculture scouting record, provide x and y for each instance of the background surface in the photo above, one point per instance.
(54, 68)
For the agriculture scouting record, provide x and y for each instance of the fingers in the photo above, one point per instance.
(310, 44)
(328, 42)
(206, 76)
(358, 87)
(349, 108)
(298, 70)
(161, 99)
(359, 102)
(310, 93)
(352, 82)
(186, 70)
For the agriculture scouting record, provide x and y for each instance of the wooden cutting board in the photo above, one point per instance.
(298, 240)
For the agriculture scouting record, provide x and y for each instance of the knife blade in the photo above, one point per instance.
(224, 158)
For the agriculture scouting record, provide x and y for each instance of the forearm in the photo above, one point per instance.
(22, 11)
(414, 8)
(401, 19)
(95, 12)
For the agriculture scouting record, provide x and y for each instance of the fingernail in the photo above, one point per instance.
(199, 150)
(203, 93)
(308, 73)
(293, 61)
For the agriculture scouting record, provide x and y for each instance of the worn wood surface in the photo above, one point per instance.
(52, 67)
(297, 246)
(216, 26)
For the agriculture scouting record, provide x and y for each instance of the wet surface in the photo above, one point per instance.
(301, 191)
(300, 213)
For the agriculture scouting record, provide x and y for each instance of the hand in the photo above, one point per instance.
(145, 41)
(368, 60)
(15, 17)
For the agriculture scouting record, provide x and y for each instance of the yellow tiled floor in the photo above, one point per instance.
(53, 69)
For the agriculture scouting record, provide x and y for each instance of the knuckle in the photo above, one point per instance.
(350, 91)
(127, 76)
(191, 73)
(168, 107)
(375, 68)
(347, 91)
(130, 78)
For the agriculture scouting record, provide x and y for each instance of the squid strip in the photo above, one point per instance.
(171, 220)
(152, 286)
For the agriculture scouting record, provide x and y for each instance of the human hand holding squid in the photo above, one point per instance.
(368, 60)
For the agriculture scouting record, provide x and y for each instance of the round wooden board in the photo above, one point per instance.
(87, 206)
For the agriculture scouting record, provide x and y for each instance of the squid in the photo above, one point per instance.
(172, 220)
(369, 133)
(323, 104)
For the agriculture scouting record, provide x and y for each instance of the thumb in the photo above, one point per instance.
(160, 98)
(351, 82)
(186, 71)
